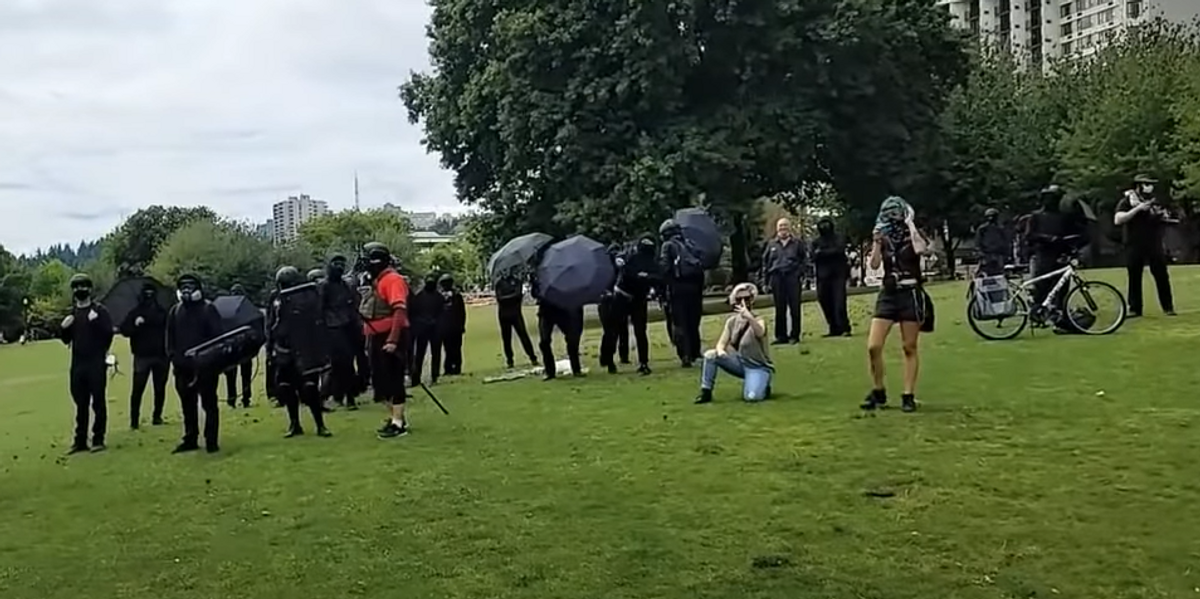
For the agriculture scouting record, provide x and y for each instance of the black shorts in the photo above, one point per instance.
(903, 304)
(387, 370)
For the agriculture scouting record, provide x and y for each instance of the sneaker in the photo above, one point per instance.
(212, 448)
(549, 377)
(508, 365)
(704, 397)
(185, 447)
(612, 368)
(392, 431)
(643, 369)
(158, 421)
(767, 393)
(231, 403)
(351, 405)
(625, 361)
(98, 447)
(908, 403)
(875, 399)
(133, 426)
(77, 449)
(324, 432)
(293, 431)
(1169, 313)
(246, 404)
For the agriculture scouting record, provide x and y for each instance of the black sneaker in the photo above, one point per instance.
(185, 448)
(212, 448)
(767, 393)
(1169, 313)
(508, 365)
(391, 431)
(158, 421)
(77, 449)
(612, 369)
(877, 398)
(133, 426)
(293, 431)
(908, 403)
(643, 369)
(351, 405)
(625, 361)
(704, 397)
(549, 377)
(246, 404)
(324, 432)
(98, 447)
(231, 403)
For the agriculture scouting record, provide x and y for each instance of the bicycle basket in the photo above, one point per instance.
(993, 298)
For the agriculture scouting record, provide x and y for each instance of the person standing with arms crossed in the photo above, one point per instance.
(88, 329)
(1144, 220)
(783, 266)
(385, 315)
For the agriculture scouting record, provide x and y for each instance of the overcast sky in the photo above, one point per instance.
(107, 106)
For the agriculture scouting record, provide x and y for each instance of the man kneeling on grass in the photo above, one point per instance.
(741, 350)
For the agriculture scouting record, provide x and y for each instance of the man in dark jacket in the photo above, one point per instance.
(993, 244)
(614, 318)
(569, 321)
(1052, 234)
(683, 278)
(245, 369)
(453, 324)
(191, 322)
(637, 275)
(425, 317)
(1144, 221)
(146, 328)
(88, 329)
(510, 312)
(782, 269)
(346, 340)
(833, 270)
(298, 341)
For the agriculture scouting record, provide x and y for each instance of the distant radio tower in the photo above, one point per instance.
(356, 206)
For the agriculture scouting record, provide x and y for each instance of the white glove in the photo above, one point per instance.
(68, 321)
(139, 321)
(92, 315)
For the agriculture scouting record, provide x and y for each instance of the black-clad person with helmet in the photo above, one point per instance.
(88, 329)
(191, 322)
(683, 277)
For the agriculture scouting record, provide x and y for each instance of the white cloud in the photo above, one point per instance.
(108, 106)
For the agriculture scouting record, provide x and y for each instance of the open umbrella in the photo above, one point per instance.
(701, 230)
(238, 311)
(516, 254)
(126, 294)
(574, 272)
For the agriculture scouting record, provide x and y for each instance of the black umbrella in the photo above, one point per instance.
(574, 272)
(238, 311)
(701, 230)
(516, 254)
(126, 294)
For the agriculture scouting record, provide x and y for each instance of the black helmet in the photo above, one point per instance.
(1144, 178)
(287, 277)
(315, 275)
(376, 251)
(446, 280)
(186, 279)
(668, 227)
(80, 280)
(991, 212)
(1052, 191)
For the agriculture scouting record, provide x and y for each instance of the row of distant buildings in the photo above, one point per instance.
(289, 214)
(1042, 31)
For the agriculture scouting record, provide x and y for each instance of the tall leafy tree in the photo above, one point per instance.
(135, 243)
(348, 230)
(221, 253)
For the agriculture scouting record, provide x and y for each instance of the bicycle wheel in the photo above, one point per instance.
(1095, 308)
(993, 329)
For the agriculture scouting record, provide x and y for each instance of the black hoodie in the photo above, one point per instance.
(425, 307)
(829, 253)
(147, 340)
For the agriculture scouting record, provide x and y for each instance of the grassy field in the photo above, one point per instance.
(1017, 479)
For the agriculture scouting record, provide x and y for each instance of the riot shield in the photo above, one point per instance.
(300, 328)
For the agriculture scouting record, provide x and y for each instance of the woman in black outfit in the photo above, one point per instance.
(897, 247)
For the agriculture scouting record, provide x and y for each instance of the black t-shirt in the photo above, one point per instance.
(901, 261)
(1145, 228)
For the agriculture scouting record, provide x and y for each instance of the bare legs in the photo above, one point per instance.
(876, 338)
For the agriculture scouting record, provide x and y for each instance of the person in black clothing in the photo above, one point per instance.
(782, 270)
(189, 323)
(453, 325)
(993, 244)
(297, 382)
(425, 317)
(637, 274)
(614, 319)
(1051, 233)
(346, 340)
(897, 247)
(569, 321)
(833, 270)
(1144, 220)
(88, 329)
(509, 303)
(146, 328)
(683, 278)
(246, 369)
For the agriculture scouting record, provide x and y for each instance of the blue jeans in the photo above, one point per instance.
(755, 380)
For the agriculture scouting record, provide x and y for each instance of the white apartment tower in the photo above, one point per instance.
(288, 215)
(1043, 30)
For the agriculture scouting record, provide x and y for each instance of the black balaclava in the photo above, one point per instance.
(991, 215)
(446, 282)
(237, 289)
(81, 287)
(825, 227)
(645, 244)
(189, 288)
(378, 257)
(1051, 198)
(149, 293)
(336, 267)
(431, 281)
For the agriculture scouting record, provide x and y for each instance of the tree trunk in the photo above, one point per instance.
(739, 264)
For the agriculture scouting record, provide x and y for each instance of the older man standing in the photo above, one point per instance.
(782, 268)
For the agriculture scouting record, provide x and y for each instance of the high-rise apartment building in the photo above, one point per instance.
(1043, 30)
(288, 215)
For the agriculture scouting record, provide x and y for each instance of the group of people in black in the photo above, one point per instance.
(438, 317)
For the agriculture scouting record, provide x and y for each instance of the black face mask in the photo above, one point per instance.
(991, 219)
(825, 229)
(81, 293)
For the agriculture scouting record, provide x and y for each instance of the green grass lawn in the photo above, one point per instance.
(1015, 480)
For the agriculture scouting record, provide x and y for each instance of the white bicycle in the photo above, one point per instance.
(1081, 309)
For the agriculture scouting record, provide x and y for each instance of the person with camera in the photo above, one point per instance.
(145, 327)
(384, 311)
(88, 330)
(741, 350)
(897, 247)
(1144, 221)
(190, 323)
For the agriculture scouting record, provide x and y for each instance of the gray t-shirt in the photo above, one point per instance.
(743, 340)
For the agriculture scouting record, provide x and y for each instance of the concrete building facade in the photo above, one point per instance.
(288, 215)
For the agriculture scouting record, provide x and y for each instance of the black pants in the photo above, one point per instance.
(89, 383)
(785, 287)
(571, 327)
(1039, 265)
(614, 320)
(144, 369)
(231, 379)
(295, 389)
(687, 308)
(1136, 259)
(195, 393)
(426, 340)
(362, 364)
(831, 294)
(514, 322)
(452, 343)
(388, 369)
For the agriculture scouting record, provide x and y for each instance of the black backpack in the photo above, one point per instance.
(688, 264)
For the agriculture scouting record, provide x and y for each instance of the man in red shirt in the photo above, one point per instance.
(385, 317)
